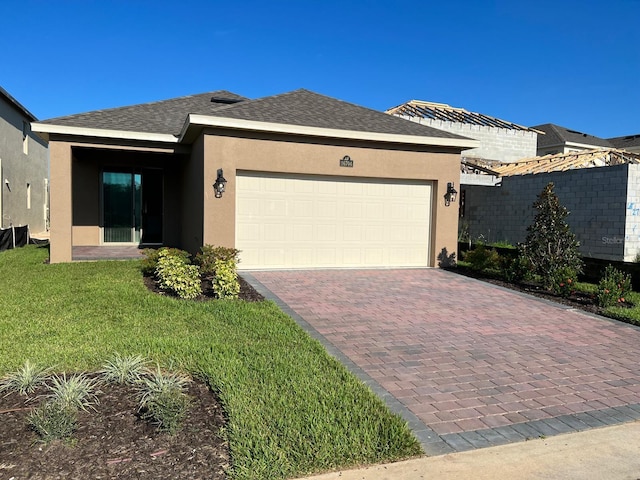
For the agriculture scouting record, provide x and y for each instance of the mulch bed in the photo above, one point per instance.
(247, 292)
(579, 300)
(113, 441)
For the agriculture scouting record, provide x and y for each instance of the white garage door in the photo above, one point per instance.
(300, 221)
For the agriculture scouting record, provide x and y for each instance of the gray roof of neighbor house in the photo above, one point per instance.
(299, 107)
(557, 135)
(17, 105)
(447, 113)
(627, 141)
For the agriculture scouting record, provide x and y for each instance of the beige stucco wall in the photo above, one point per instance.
(60, 198)
(193, 216)
(273, 153)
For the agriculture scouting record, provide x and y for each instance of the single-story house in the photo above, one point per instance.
(311, 181)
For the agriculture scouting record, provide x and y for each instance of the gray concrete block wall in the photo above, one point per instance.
(595, 198)
(21, 169)
(499, 144)
(632, 207)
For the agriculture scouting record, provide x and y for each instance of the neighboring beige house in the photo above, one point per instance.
(23, 168)
(311, 181)
(557, 139)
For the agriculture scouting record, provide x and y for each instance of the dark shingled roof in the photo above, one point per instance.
(557, 135)
(300, 107)
(305, 108)
(166, 116)
(627, 141)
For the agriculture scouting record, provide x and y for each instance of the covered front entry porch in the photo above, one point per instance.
(122, 200)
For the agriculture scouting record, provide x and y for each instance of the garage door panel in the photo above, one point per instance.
(292, 221)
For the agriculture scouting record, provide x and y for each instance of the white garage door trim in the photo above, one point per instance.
(310, 221)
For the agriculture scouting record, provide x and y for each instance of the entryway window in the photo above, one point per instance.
(122, 204)
(132, 206)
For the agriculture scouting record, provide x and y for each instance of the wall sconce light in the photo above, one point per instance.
(218, 187)
(451, 194)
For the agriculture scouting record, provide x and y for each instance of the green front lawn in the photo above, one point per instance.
(292, 408)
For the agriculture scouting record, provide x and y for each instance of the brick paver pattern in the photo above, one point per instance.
(463, 355)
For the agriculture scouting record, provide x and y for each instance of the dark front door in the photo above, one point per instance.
(152, 206)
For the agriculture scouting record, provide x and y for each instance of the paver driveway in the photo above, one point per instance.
(468, 364)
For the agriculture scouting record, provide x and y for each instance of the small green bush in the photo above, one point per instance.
(225, 280)
(25, 380)
(613, 287)
(209, 254)
(563, 282)
(516, 269)
(149, 263)
(53, 421)
(482, 258)
(176, 275)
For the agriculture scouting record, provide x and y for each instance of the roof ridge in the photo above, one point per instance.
(138, 105)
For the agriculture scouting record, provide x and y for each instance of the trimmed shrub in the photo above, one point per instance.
(482, 258)
(225, 279)
(516, 269)
(209, 254)
(613, 287)
(551, 247)
(176, 275)
(149, 263)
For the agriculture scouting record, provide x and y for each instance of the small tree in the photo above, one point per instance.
(551, 247)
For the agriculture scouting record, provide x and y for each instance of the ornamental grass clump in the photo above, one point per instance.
(25, 380)
(127, 370)
(613, 287)
(53, 421)
(163, 401)
(75, 392)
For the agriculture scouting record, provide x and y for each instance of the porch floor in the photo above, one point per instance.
(120, 252)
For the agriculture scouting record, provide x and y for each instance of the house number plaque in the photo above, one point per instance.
(346, 162)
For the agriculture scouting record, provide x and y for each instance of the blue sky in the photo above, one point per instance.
(573, 63)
